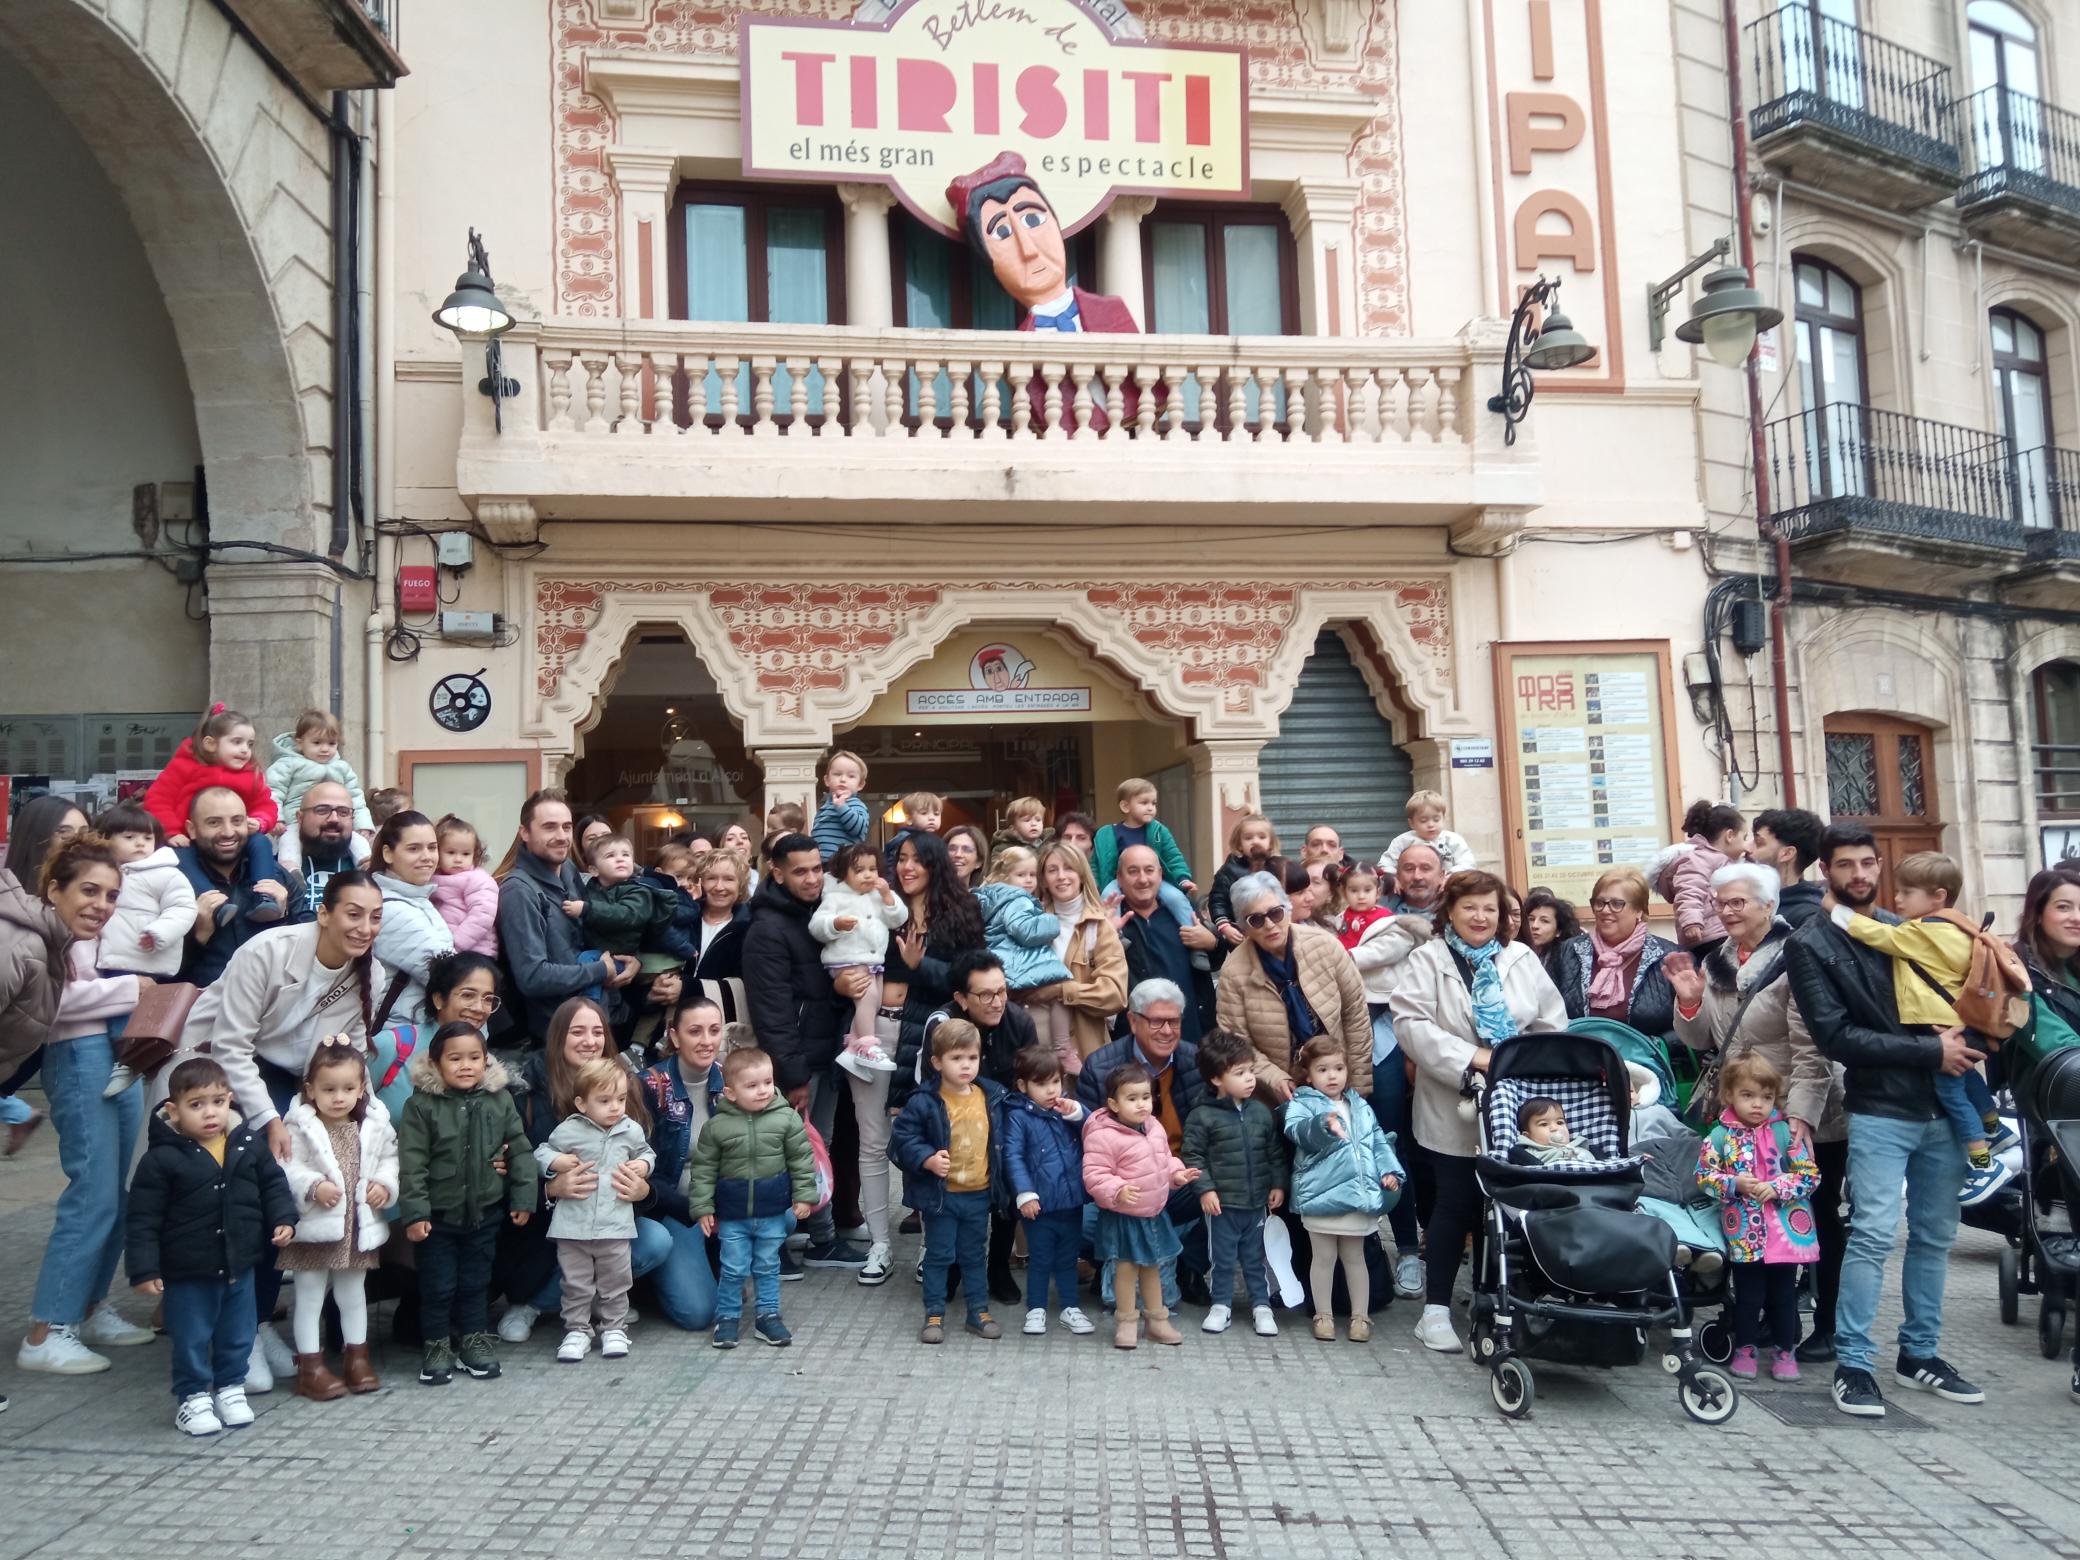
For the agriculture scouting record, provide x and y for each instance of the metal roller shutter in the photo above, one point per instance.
(1334, 760)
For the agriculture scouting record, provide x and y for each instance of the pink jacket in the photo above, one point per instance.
(1116, 1156)
(468, 902)
(90, 1001)
(1685, 881)
(1778, 1226)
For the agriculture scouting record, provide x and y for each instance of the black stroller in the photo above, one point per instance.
(2046, 1261)
(1572, 1271)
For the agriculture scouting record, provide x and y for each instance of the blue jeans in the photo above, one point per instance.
(751, 1246)
(95, 1138)
(1238, 1237)
(1390, 1096)
(261, 866)
(1884, 1154)
(1052, 1241)
(654, 1251)
(1966, 1102)
(959, 1232)
(210, 1324)
(14, 1110)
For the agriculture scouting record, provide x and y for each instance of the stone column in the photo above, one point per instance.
(1119, 254)
(270, 639)
(790, 775)
(1320, 211)
(643, 182)
(1224, 787)
(869, 286)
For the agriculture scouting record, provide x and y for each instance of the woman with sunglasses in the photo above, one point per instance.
(1285, 984)
(1613, 970)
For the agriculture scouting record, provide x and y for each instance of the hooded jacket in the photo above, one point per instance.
(628, 917)
(1042, 1155)
(604, 1215)
(291, 774)
(1220, 903)
(181, 781)
(866, 942)
(1116, 1156)
(446, 1143)
(1683, 876)
(1383, 947)
(1236, 1147)
(1844, 994)
(468, 902)
(923, 1128)
(543, 947)
(1778, 1226)
(91, 1001)
(32, 971)
(413, 934)
(1337, 1175)
(191, 1218)
(1021, 932)
(157, 898)
(752, 1164)
(313, 1162)
(794, 1011)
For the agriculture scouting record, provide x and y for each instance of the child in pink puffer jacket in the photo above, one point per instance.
(1682, 874)
(464, 893)
(1129, 1170)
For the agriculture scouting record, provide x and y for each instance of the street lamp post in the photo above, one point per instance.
(473, 309)
(1549, 342)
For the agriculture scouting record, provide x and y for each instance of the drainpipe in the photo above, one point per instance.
(1779, 603)
(376, 758)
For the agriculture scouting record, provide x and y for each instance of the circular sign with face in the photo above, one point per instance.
(999, 667)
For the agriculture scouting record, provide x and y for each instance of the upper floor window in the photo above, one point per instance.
(1822, 49)
(1829, 341)
(1220, 270)
(942, 282)
(2003, 48)
(2019, 372)
(2056, 750)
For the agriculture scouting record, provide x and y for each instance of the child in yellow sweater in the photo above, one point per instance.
(1931, 957)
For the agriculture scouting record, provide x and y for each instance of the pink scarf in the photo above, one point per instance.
(1607, 984)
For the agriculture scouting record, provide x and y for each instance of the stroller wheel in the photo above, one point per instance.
(1708, 1395)
(2011, 1285)
(2051, 1328)
(1511, 1386)
(1715, 1342)
(1484, 1346)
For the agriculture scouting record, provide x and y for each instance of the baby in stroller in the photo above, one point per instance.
(1543, 1138)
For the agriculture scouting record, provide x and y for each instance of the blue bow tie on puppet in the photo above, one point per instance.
(1064, 321)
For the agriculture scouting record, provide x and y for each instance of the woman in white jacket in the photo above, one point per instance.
(1461, 994)
(403, 858)
(80, 882)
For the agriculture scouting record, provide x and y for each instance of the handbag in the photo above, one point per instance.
(153, 1032)
(1704, 1105)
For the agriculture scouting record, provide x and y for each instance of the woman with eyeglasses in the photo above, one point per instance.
(1461, 994)
(1613, 970)
(1285, 984)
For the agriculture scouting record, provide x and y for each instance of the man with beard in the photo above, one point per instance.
(214, 863)
(1900, 1140)
(325, 827)
(544, 948)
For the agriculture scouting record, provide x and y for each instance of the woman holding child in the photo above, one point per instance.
(403, 859)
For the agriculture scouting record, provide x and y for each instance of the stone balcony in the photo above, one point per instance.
(685, 420)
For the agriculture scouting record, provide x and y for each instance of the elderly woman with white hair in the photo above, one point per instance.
(1286, 984)
(1737, 1002)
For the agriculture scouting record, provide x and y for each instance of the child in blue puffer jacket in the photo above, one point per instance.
(1345, 1177)
(1031, 941)
(1042, 1133)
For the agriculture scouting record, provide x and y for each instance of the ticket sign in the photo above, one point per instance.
(943, 86)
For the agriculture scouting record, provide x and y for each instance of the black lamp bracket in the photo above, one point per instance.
(1661, 294)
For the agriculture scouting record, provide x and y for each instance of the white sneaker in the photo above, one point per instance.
(1074, 1319)
(865, 1060)
(1217, 1319)
(281, 1359)
(119, 1081)
(1434, 1331)
(1278, 1259)
(1265, 1323)
(1036, 1321)
(197, 1416)
(233, 1411)
(1408, 1275)
(878, 1264)
(258, 1377)
(517, 1325)
(61, 1354)
(104, 1328)
(613, 1344)
(575, 1347)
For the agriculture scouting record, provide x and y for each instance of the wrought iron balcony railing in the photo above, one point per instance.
(1813, 70)
(2021, 145)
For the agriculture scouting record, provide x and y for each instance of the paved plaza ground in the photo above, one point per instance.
(858, 1441)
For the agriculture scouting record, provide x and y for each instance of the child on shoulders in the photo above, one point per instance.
(464, 893)
(1025, 824)
(842, 819)
(923, 811)
(1252, 842)
(1140, 826)
(595, 1235)
(302, 759)
(220, 753)
(1042, 1131)
(1426, 819)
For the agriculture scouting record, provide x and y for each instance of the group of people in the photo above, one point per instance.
(407, 1074)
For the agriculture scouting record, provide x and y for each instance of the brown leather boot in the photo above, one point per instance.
(360, 1375)
(315, 1381)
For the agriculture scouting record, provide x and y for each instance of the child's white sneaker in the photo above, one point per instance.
(259, 1378)
(281, 1359)
(1265, 1323)
(197, 1415)
(233, 1411)
(1434, 1331)
(1217, 1319)
(518, 1323)
(575, 1346)
(1036, 1321)
(864, 1058)
(1074, 1319)
(119, 1080)
(613, 1344)
(105, 1329)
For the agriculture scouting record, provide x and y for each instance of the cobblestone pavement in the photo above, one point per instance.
(858, 1441)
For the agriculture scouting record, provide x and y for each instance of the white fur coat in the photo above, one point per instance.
(311, 1161)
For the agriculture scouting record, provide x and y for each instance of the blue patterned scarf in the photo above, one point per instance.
(1491, 1017)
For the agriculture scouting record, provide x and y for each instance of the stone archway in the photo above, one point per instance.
(225, 175)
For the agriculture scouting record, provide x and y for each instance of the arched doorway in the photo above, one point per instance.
(1335, 759)
(1881, 774)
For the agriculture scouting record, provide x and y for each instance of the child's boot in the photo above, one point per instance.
(1126, 1329)
(314, 1380)
(436, 1363)
(360, 1376)
(1157, 1324)
(479, 1355)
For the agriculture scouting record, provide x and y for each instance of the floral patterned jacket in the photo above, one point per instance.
(1778, 1226)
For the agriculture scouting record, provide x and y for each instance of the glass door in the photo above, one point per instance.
(1830, 380)
(1822, 49)
(2018, 366)
(2004, 58)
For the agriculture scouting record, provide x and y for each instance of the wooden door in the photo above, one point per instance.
(1881, 774)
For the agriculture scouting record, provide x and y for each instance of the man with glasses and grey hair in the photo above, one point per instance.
(1157, 1010)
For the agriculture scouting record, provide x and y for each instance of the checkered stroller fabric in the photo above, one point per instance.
(1591, 1120)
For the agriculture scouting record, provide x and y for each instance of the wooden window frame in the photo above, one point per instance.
(1082, 251)
(2042, 787)
(1211, 219)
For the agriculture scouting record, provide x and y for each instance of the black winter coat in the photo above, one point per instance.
(795, 1013)
(1652, 1007)
(930, 992)
(1844, 992)
(192, 1218)
(1239, 1153)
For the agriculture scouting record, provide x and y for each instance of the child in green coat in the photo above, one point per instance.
(753, 1177)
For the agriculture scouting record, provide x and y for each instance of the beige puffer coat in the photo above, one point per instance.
(33, 943)
(1772, 1027)
(1250, 1005)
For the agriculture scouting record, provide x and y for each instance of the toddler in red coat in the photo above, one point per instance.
(220, 755)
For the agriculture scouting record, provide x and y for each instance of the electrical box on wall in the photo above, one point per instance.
(418, 588)
(469, 625)
(457, 550)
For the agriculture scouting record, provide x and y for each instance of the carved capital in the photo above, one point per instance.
(1130, 208)
(1488, 533)
(867, 199)
(507, 519)
(640, 170)
(1334, 30)
(1330, 202)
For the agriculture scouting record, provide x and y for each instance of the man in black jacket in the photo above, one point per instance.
(1898, 1136)
(796, 1012)
(1787, 841)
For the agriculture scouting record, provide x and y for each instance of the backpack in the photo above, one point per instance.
(1994, 999)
